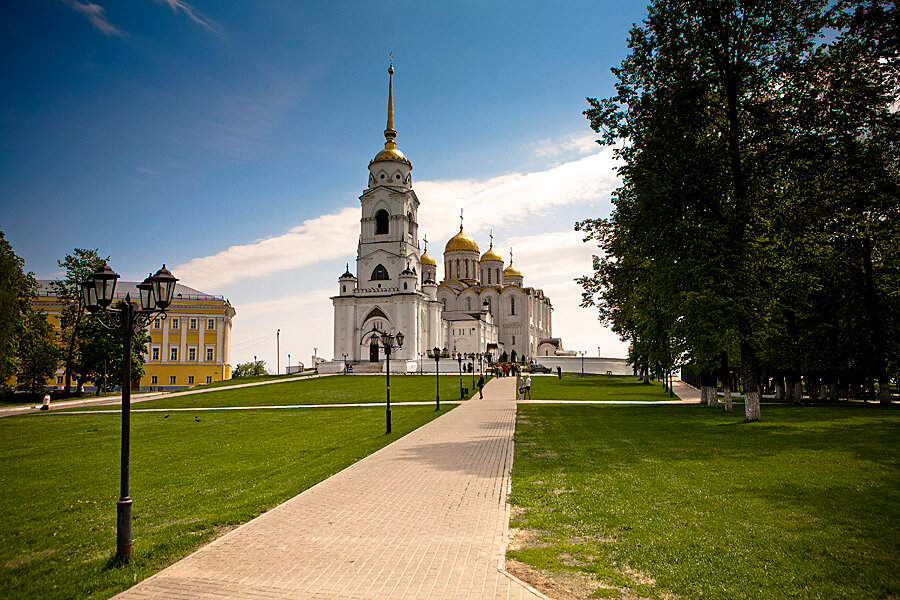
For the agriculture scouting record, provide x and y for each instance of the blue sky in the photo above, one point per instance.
(230, 141)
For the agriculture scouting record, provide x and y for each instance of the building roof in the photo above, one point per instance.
(182, 292)
(460, 315)
(461, 241)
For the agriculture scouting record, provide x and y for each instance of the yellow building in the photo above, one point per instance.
(192, 345)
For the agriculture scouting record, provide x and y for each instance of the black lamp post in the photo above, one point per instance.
(437, 378)
(459, 360)
(582, 363)
(155, 292)
(345, 362)
(472, 358)
(387, 344)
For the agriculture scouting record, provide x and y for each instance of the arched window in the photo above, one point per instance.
(343, 288)
(457, 268)
(468, 304)
(512, 306)
(380, 273)
(381, 222)
(489, 277)
(405, 285)
(409, 218)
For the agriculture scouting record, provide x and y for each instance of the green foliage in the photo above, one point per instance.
(37, 351)
(191, 480)
(17, 288)
(78, 266)
(680, 501)
(758, 212)
(100, 354)
(250, 369)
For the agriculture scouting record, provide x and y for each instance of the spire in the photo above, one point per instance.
(389, 132)
(492, 238)
(460, 219)
(426, 243)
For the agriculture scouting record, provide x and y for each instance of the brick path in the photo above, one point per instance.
(425, 517)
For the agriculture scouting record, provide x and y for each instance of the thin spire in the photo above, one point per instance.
(510, 257)
(492, 238)
(426, 243)
(389, 132)
(460, 219)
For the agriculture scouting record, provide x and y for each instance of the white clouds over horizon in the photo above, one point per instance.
(498, 201)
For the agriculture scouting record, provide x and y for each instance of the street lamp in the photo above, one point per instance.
(387, 343)
(155, 294)
(437, 377)
(278, 352)
(582, 363)
(459, 360)
(345, 361)
(471, 357)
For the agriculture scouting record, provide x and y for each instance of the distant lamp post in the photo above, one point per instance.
(387, 344)
(288, 370)
(459, 358)
(155, 294)
(437, 377)
(471, 357)
(345, 361)
(582, 363)
(278, 352)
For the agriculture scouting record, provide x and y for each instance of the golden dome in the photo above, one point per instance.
(427, 260)
(491, 254)
(391, 154)
(511, 271)
(461, 241)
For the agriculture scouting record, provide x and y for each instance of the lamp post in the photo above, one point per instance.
(278, 352)
(155, 293)
(387, 344)
(437, 378)
(459, 360)
(345, 361)
(582, 363)
(472, 358)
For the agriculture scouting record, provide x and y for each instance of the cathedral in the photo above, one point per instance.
(480, 306)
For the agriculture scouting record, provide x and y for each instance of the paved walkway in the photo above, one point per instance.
(425, 517)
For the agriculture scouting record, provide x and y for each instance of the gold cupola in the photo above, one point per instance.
(491, 254)
(461, 241)
(390, 152)
(511, 271)
(426, 258)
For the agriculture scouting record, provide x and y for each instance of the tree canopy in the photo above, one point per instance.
(757, 218)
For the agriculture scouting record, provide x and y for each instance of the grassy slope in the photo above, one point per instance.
(802, 505)
(336, 389)
(59, 476)
(596, 387)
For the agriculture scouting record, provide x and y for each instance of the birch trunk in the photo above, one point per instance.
(750, 372)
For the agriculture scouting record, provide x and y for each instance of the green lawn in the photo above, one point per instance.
(59, 477)
(596, 387)
(802, 505)
(334, 389)
(250, 379)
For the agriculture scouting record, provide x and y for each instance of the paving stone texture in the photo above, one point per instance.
(425, 517)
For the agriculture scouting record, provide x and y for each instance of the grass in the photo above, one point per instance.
(248, 379)
(190, 481)
(596, 387)
(334, 389)
(691, 501)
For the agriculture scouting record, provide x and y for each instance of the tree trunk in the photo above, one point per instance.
(750, 372)
(708, 395)
(726, 383)
(884, 387)
(779, 386)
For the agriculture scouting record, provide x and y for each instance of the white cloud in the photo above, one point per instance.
(96, 14)
(323, 238)
(577, 143)
(509, 199)
(513, 198)
(193, 14)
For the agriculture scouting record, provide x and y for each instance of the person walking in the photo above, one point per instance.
(481, 386)
(528, 385)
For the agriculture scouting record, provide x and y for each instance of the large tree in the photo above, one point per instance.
(17, 289)
(38, 354)
(100, 354)
(78, 266)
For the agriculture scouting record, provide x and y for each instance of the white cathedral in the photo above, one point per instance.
(479, 306)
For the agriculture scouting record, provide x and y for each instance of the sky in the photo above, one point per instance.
(230, 140)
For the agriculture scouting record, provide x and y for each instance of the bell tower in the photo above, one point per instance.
(389, 227)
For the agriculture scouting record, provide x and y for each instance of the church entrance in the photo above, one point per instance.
(373, 351)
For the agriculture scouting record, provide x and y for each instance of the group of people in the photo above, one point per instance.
(507, 370)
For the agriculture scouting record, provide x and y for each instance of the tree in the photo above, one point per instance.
(250, 368)
(17, 289)
(100, 354)
(699, 102)
(78, 266)
(38, 353)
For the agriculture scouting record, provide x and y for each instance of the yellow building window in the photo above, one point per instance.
(210, 323)
(172, 379)
(192, 354)
(192, 323)
(174, 323)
